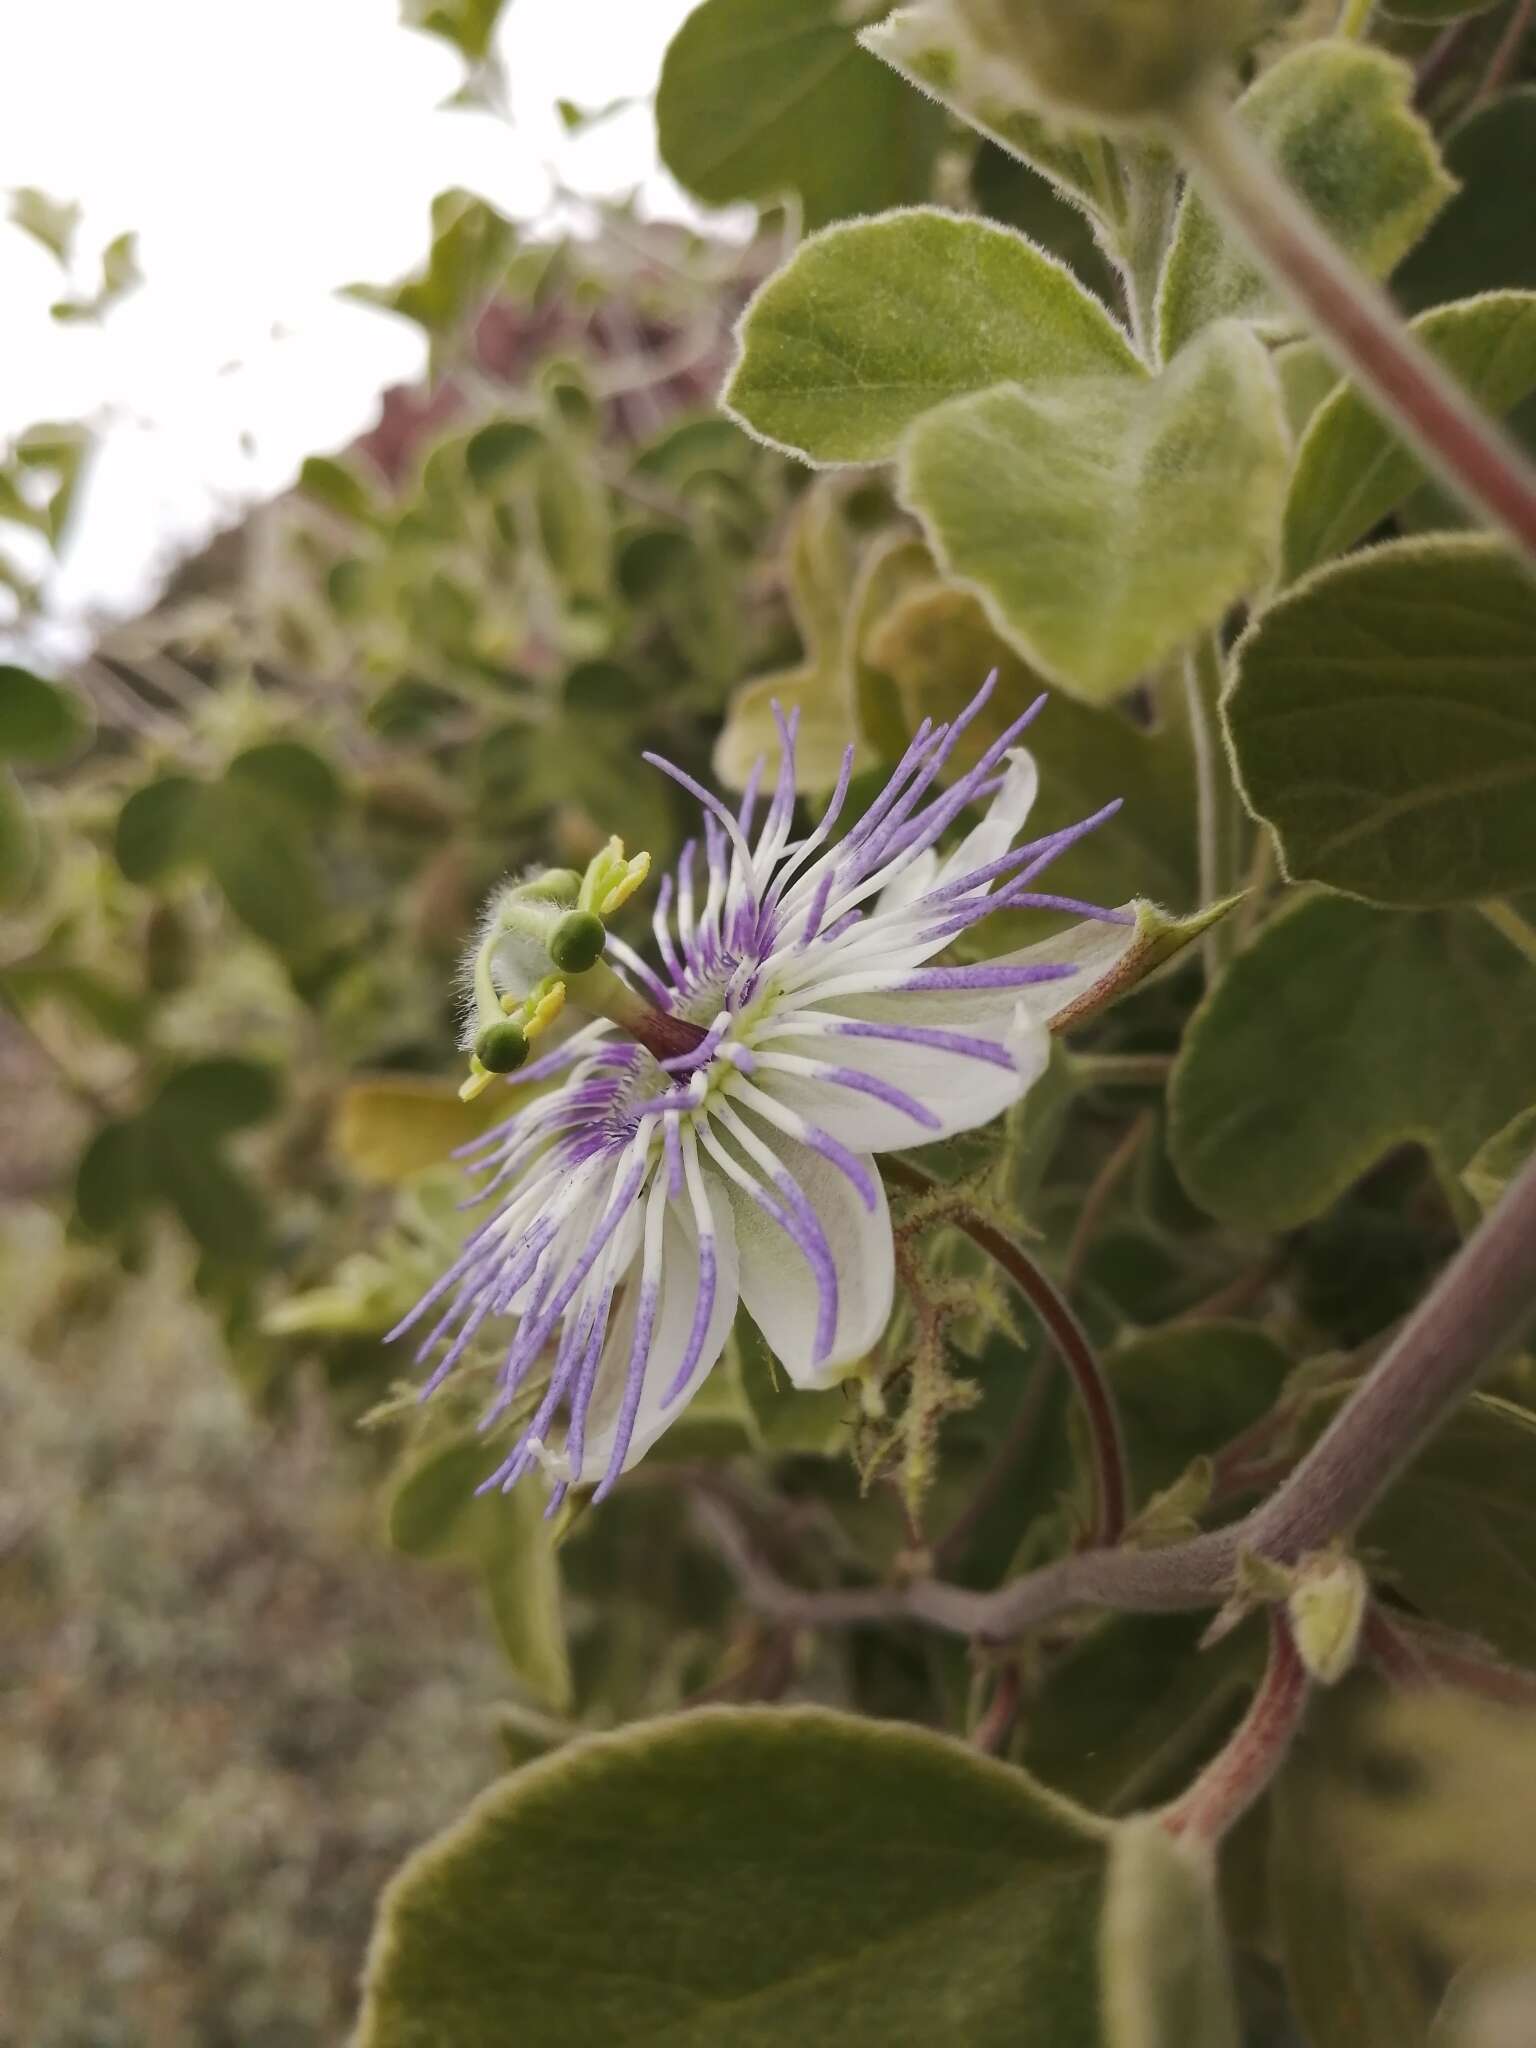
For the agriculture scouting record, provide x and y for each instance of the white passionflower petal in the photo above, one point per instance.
(800, 1018)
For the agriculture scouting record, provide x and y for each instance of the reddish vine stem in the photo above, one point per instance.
(1412, 1654)
(1356, 321)
(1111, 1484)
(1481, 1303)
(1217, 1800)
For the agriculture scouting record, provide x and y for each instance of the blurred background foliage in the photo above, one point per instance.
(242, 843)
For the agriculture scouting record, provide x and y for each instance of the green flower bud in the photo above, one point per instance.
(577, 941)
(1117, 60)
(501, 1048)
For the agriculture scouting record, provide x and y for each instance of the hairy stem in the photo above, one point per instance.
(1111, 1484)
(1233, 1780)
(1356, 321)
(1482, 1302)
(1506, 919)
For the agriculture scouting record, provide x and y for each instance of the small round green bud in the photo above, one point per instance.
(577, 941)
(501, 1048)
(1118, 59)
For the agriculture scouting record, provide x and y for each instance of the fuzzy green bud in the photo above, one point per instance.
(577, 941)
(1111, 60)
(501, 1048)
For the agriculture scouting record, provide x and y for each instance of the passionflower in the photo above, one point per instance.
(711, 1137)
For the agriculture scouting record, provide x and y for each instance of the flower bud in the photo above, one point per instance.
(1114, 60)
(577, 941)
(501, 1048)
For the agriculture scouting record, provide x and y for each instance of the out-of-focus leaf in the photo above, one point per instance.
(112, 1180)
(294, 773)
(762, 98)
(1340, 1032)
(1494, 1165)
(212, 1096)
(499, 450)
(1178, 482)
(783, 1418)
(470, 25)
(263, 865)
(472, 247)
(18, 840)
(1184, 1391)
(784, 1876)
(1337, 119)
(53, 222)
(390, 1126)
(337, 487)
(120, 274)
(157, 828)
(873, 323)
(218, 1207)
(1167, 1974)
(39, 721)
(1355, 1981)
(1384, 724)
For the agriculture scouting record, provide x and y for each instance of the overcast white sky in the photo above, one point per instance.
(266, 152)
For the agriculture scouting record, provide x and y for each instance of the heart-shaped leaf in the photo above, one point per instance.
(1337, 119)
(1104, 522)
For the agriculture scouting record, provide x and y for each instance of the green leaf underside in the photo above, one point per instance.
(751, 1876)
(760, 98)
(1340, 1032)
(1337, 120)
(1383, 717)
(873, 323)
(1351, 470)
(929, 45)
(1494, 1165)
(1105, 522)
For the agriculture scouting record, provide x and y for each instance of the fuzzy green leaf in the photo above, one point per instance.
(874, 322)
(112, 1178)
(1340, 1032)
(1104, 522)
(1167, 1973)
(1351, 470)
(761, 98)
(750, 1876)
(1337, 120)
(1383, 718)
(216, 1205)
(930, 45)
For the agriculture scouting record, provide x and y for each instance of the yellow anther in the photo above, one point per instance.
(543, 1010)
(480, 1078)
(624, 886)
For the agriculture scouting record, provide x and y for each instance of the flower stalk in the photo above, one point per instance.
(1217, 1800)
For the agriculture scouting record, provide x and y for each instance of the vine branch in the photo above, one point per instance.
(1230, 1783)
